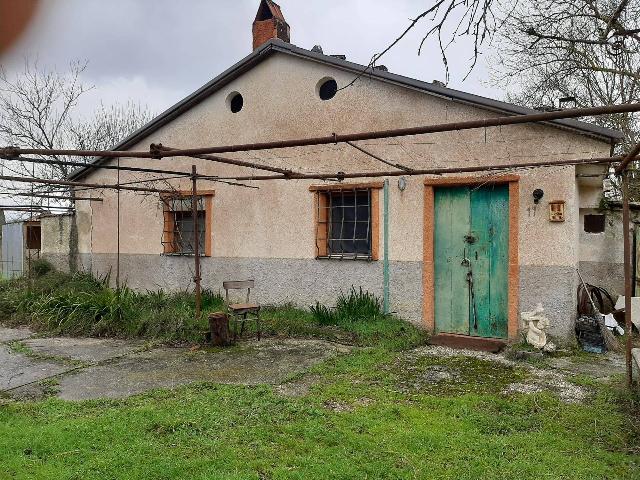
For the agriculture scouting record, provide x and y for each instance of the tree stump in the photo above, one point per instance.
(219, 327)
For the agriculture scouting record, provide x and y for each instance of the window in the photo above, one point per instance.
(178, 234)
(594, 223)
(34, 236)
(347, 223)
(235, 102)
(327, 88)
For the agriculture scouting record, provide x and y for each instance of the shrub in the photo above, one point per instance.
(41, 267)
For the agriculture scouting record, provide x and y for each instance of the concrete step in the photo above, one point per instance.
(492, 345)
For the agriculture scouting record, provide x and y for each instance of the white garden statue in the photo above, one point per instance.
(535, 325)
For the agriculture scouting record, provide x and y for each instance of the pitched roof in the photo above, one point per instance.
(279, 46)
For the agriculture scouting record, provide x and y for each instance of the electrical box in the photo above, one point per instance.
(556, 211)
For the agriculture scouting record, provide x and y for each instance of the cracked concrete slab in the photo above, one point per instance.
(269, 361)
(14, 334)
(89, 350)
(17, 369)
(600, 367)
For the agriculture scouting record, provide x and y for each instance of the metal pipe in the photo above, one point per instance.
(628, 159)
(428, 171)
(118, 239)
(52, 197)
(111, 167)
(400, 132)
(336, 138)
(366, 152)
(31, 206)
(228, 161)
(196, 240)
(385, 262)
(31, 209)
(627, 275)
(80, 184)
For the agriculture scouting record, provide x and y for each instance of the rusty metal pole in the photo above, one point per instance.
(627, 274)
(118, 235)
(196, 239)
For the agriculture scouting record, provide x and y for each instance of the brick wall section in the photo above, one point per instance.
(265, 30)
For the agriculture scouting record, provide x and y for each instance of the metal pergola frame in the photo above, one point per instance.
(158, 151)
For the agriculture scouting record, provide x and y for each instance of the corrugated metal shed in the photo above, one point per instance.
(12, 250)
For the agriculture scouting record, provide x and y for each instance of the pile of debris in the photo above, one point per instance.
(597, 325)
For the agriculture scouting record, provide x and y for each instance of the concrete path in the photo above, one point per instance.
(18, 369)
(13, 334)
(90, 368)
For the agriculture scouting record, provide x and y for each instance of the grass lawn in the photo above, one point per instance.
(362, 418)
(366, 414)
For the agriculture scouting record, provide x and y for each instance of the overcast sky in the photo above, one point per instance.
(157, 51)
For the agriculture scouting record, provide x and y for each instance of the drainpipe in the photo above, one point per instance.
(385, 262)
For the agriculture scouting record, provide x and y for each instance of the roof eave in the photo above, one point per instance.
(277, 45)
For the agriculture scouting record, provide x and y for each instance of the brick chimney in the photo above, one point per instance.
(269, 23)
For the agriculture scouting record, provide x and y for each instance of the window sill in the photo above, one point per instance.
(183, 255)
(366, 258)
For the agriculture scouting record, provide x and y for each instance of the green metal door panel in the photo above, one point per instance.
(499, 262)
(489, 252)
(479, 250)
(452, 214)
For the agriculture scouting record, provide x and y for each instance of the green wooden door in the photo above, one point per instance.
(471, 260)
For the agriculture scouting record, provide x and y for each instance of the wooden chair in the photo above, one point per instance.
(240, 313)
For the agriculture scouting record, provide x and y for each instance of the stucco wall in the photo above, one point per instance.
(601, 254)
(271, 229)
(57, 245)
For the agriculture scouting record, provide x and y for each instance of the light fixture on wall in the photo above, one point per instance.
(402, 183)
(538, 193)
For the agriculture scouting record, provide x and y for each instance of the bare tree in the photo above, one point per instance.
(583, 51)
(39, 109)
(614, 24)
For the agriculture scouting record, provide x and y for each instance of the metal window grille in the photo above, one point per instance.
(177, 237)
(343, 228)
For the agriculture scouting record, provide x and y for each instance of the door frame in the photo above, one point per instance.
(428, 275)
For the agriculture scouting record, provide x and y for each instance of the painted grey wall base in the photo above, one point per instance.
(64, 263)
(302, 282)
(554, 286)
(298, 281)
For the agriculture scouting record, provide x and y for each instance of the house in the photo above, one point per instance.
(467, 253)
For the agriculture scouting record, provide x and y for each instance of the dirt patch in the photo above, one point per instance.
(599, 367)
(299, 387)
(443, 370)
(440, 370)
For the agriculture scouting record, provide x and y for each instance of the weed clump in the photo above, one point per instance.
(82, 304)
(41, 267)
(356, 306)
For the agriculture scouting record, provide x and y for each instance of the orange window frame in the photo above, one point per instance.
(321, 220)
(169, 223)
